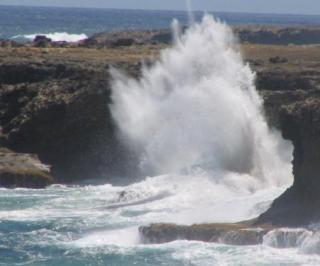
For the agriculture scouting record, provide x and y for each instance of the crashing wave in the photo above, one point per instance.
(197, 109)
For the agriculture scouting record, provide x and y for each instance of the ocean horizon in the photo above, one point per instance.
(69, 24)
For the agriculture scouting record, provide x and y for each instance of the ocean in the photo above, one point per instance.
(205, 152)
(76, 23)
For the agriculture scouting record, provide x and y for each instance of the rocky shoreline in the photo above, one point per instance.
(241, 234)
(54, 103)
(254, 34)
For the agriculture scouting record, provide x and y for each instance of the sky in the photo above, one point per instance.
(253, 6)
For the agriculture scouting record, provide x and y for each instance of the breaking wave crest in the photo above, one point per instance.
(56, 37)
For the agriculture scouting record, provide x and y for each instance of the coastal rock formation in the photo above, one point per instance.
(56, 105)
(23, 170)
(128, 38)
(66, 121)
(279, 80)
(232, 234)
(299, 205)
(281, 35)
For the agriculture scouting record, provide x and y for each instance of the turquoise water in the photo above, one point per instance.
(76, 226)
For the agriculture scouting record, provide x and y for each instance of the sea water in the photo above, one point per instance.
(66, 23)
(96, 226)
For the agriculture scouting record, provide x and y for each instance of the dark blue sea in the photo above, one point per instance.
(28, 21)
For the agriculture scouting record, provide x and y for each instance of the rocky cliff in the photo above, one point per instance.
(56, 105)
(299, 205)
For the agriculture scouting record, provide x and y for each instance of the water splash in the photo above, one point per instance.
(306, 241)
(190, 12)
(197, 108)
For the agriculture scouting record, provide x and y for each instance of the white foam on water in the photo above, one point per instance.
(204, 254)
(287, 237)
(56, 36)
(188, 199)
(120, 237)
(304, 241)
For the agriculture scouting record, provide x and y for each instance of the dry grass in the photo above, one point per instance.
(131, 54)
(298, 56)
(301, 56)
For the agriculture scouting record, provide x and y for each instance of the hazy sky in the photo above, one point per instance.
(258, 6)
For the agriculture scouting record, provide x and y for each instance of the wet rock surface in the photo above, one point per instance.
(230, 234)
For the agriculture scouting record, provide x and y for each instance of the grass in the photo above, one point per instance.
(132, 54)
(301, 56)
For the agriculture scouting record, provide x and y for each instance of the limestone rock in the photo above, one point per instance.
(23, 170)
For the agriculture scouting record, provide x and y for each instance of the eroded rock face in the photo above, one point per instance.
(277, 80)
(64, 117)
(69, 128)
(299, 205)
(275, 101)
(23, 170)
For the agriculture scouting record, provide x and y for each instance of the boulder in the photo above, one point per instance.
(42, 41)
(23, 170)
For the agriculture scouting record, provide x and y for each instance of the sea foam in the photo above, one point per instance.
(56, 37)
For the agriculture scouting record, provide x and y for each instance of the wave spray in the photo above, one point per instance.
(196, 112)
(190, 12)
